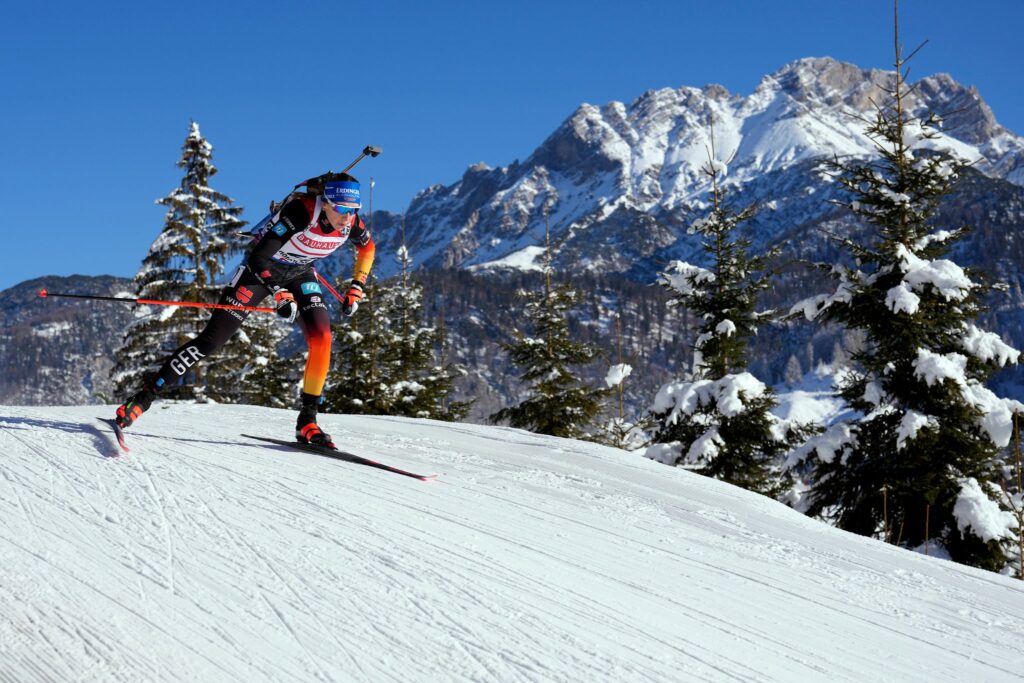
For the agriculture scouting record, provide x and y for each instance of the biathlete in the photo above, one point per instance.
(307, 227)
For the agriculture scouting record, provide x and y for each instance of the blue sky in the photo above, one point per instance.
(98, 96)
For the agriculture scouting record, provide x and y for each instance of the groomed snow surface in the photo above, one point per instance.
(204, 556)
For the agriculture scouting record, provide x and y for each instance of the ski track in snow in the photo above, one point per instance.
(202, 555)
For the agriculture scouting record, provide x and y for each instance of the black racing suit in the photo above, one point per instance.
(281, 259)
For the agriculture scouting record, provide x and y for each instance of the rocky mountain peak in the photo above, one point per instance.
(966, 115)
(714, 91)
(821, 82)
(647, 156)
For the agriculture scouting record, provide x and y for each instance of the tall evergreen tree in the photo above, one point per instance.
(558, 402)
(718, 419)
(421, 386)
(919, 462)
(183, 263)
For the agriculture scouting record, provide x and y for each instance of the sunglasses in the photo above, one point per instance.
(340, 209)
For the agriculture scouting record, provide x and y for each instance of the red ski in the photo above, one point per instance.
(341, 455)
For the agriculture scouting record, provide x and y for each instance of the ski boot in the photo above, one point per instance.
(306, 428)
(130, 411)
(313, 435)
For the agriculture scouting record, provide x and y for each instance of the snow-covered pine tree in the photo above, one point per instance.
(356, 382)
(794, 372)
(183, 263)
(619, 431)
(920, 460)
(717, 420)
(558, 403)
(419, 386)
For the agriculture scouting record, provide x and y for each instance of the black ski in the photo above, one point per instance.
(341, 455)
(118, 432)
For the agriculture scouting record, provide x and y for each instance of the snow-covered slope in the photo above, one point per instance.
(609, 172)
(204, 556)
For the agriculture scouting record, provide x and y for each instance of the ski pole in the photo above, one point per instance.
(190, 304)
(327, 284)
(369, 150)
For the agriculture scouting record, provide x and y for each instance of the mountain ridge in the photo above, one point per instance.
(491, 222)
(648, 156)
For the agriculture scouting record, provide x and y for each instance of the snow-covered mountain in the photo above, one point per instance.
(617, 180)
(206, 556)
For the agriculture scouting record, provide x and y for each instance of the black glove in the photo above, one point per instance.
(286, 306)
(350, 301)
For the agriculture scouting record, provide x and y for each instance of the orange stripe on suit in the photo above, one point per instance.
(364, 261)
(318, 361)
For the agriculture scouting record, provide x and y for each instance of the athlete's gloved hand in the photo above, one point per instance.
(350, 301)
(286, 306)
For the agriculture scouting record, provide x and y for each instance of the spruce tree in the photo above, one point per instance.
(717, 420)
(920, 461)
(356, 383)
(183, 263)
(558, 402)
(419, 386)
